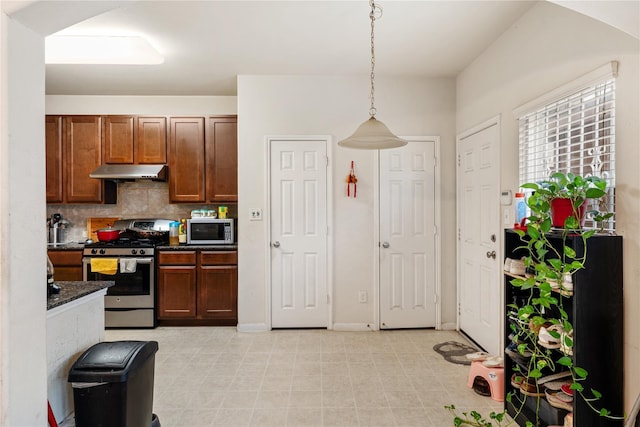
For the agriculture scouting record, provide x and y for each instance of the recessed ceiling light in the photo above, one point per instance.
(100, 50)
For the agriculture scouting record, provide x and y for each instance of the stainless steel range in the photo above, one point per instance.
(130, 262)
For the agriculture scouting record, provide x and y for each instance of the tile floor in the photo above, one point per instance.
(220, 377)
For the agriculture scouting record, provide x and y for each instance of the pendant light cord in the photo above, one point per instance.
(373, 134)
(372, 16)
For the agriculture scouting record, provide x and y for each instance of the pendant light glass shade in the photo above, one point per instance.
(372, 135)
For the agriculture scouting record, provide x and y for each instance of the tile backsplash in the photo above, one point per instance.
(136, 199)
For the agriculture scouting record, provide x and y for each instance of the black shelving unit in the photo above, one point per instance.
(595, 311)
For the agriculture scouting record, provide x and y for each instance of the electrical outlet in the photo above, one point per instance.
(362, 296)
(255, 214)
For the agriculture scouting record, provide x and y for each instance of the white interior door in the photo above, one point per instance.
(298, 180)
(408, 236)
(479, 259)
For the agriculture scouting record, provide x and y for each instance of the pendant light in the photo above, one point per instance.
(373, 134)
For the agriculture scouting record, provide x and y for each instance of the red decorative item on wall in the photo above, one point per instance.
(351, 179)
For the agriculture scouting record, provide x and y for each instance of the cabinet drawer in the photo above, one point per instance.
(66, 258)
(177, 258)
(218, 257)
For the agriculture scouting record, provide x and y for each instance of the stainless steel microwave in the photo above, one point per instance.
(210, 231)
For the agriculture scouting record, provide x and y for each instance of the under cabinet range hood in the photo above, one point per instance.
(130, 172)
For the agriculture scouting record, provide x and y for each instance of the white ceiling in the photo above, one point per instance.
(206, 44)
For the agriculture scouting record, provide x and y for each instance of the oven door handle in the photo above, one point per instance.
(87, 260)
(143, 260)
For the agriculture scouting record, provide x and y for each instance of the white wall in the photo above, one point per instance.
(322, 105)
(548, 47)
(142, 105)
(22, 209)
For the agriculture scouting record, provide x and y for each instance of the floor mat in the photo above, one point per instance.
(455, 352)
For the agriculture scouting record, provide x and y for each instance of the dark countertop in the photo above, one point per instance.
(75, 246)
(70, 291)
(72, 246)
(233, 247)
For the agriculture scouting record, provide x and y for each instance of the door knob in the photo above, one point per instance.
(385, 245)
(276, 244)
(491, 254)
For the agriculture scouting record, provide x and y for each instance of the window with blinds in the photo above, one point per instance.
(573, 134)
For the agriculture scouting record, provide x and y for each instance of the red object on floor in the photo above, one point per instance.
(52, 419)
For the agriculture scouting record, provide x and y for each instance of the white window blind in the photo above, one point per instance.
(576, 134)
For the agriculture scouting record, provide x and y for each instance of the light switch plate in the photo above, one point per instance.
(255, 214)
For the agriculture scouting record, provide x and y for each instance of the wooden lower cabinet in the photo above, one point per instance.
(67, 264)
(197, 287)
(177, 292)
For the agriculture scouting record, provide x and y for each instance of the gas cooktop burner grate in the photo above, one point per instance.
(123, 243)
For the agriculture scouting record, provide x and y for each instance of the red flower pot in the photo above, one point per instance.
(561, 209)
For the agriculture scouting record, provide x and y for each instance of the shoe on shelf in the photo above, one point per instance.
(516, 380)
(568, 420)
(518, 357)
(566, 343)
(478, 356)
(557, 384)
(530, 271)
(559, 399)
(493, 362)
(565, 287)
(517, 267)
(531, 387)
(553, 377)
(549, 337)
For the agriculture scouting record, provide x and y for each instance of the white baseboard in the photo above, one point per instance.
(448, 327)
(252, 327)
(356, 327)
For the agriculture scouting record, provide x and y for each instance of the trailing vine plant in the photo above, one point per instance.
(550, 266)
(545, 289)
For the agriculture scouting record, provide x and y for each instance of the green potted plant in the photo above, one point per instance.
(563, 199)
(549, 266)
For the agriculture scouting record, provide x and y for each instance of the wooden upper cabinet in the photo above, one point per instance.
(53, 144)
(134, 139)
(117, 132)
(82, 155)
(222, 159)
(186, 160)
(151, 140)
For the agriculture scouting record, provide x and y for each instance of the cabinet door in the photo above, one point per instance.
(53, 143)
(218, 292)
(67, 265)
(83, 154)
(186, 159)
(222, 159)
(151, 140)
(117, 132)
(177, 292)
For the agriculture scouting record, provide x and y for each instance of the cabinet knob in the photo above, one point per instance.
(491, 254)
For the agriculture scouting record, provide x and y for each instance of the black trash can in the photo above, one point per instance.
(113, 385)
